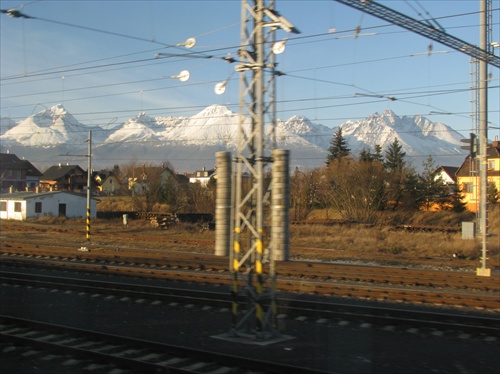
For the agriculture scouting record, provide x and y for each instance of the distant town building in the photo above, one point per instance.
(64, 178)
(448, 175)
(202, 176)
(468, 176)
(27, 204)
(106, 182)
(17, 174)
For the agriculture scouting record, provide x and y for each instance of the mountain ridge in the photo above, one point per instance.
(187, 142)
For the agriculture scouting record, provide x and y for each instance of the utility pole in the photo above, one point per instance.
(89, 190)
(483, 137)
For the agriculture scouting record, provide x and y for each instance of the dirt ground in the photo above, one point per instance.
(347, 244)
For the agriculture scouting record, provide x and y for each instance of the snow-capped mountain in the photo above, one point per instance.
(48, 128)
(190, 143)
(139, 128)
(417, 135)
(314, 133)
(215, 125)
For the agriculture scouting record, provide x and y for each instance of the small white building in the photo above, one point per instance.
(447, 175)
(23, 205)
(202, 176)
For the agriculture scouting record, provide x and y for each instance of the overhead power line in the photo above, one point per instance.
(14, 13)
(408, 23)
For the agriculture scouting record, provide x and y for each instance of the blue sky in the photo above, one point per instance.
(97, 59)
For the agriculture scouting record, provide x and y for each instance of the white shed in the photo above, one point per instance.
(23, 205)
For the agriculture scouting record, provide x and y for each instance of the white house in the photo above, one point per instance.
(23, 205)
(202, 176)
(447, 175)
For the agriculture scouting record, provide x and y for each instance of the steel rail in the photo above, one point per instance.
(327, 271)
(374, 292)
(297, 307)
(168, 358)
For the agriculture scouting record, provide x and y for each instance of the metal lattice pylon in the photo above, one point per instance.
(251, 259)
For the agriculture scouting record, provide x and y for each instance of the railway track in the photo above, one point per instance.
(290, 307)
(306, 270)
(118, 289)
(377, 283)
(128, 304)
(108, 352)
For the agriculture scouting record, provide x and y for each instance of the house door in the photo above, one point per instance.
(62, 210)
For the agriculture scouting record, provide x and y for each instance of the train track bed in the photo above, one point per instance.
(452, 289)
(77, 348)
(331, 339)
(289, 304)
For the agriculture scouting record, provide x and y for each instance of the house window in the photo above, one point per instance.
(3, 206)
(491, 165)
(17, 206)
(468, 187)
(38, 207)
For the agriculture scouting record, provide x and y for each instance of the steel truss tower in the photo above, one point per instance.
(252, 262)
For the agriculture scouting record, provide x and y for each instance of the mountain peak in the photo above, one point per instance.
(214, 110)
(142, 117)
(58, 110)
(389, 113)
(54, 111)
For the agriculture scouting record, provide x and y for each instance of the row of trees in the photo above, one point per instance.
(360, 188)
(154, 187)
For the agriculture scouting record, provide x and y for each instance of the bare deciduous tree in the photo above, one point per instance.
(304, 195)
(356, 189)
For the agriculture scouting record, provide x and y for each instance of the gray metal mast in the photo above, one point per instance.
(89, 188)
(473, 165)
(251, 259)
(483, 136)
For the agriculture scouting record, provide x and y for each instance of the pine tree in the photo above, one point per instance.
(366, 155)
(338, 147)
(493, 195)
(378, 153)
(394, 157)
(395, 165)
(457, 203)
(431, 187)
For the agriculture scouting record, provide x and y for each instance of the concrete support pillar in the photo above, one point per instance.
(223, 204)
(281, 205)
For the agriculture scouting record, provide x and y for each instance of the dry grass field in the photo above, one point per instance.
(381, 244)
(383, 240)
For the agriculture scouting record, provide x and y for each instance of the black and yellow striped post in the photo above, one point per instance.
(235, 267)
(259, 286)
(88, 225)
(89, 187)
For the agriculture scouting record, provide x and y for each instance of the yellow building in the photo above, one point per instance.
(468, 176)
